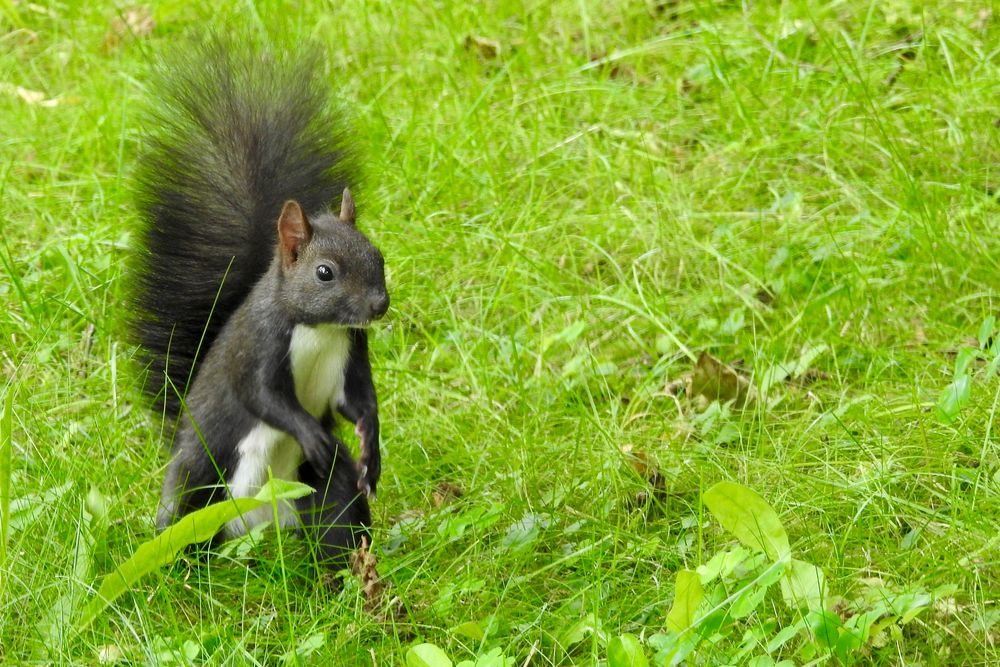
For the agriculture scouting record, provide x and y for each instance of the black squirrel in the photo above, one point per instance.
(251, 296)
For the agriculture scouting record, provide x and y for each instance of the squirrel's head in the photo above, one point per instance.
(330, 272)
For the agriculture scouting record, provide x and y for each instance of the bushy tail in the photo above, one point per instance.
(234, 133)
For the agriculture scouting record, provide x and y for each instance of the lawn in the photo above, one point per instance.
(590, 213)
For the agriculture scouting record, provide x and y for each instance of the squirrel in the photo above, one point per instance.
(251, 297)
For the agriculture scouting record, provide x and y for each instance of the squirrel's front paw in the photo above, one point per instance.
(369, 463)
(318, 451)
(366, 481)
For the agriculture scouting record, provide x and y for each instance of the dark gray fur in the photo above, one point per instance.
(239, 133)
(235, 132)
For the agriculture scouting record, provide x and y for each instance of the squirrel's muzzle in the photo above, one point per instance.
(378, 305)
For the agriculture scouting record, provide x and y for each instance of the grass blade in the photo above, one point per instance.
(6, 446)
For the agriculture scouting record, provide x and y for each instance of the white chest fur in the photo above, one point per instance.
(318, 356)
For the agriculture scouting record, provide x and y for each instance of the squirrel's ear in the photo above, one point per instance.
(294, 232)
(347, 207)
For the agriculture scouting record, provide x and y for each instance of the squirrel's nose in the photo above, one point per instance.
(379, 305)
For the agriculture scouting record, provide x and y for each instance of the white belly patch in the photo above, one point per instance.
(319, 357)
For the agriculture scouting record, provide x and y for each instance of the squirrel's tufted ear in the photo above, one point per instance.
(294, 232)
(347, 207)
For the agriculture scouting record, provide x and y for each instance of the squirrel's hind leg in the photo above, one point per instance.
(184, 491)
(335, 516)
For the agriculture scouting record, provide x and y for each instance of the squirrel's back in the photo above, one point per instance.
(235, 132)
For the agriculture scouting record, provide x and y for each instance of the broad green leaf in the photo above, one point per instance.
(791, 369)
(806, 359)
(783, 635)
(825, 626)
(567, 335)
(986, 331)
(747, 601)
(427, 655)
(470, 629)
(849, 642)
(685, 647)
(576, 633)
(626, 651)
(523, 533)
(733, 323)
(803, 586)
(282, 489)
(96, 504)
(175, 651)
(722, 564)
(862, 623)
(746, 515)
(954, 397)
(493, 658)
(770, 575)
(304, 649)
(991, 370)
(687, 596)
(963, 360)
(672, 649)
(908, 605)
(195, 528)
(26, 509)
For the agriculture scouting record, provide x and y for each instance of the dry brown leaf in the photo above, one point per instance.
(409, 515)
(445, 493)
(715, 380)
(811, 375)
(29, 96)
(488, 49)
(639, 460)
(765, 296)
(919, 335)
(647, 469)
(673, 387)
(135, 21)
(373, 587)
(614, 68)
(110, 654)
(965, 343)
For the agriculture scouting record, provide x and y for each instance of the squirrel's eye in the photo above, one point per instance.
(324, 273)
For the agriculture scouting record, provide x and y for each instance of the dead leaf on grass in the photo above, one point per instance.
(919, 335)
(486, 48)
(965, 343)
(35, 97)
(110, 654)
(445, 493)
(673, 387)
(647, 469)
(765, 296)
(811, 375)
(373, 587)
(715, 380)
(615, 68)
(135, 21)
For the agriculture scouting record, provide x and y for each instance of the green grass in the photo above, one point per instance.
(567, 224)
